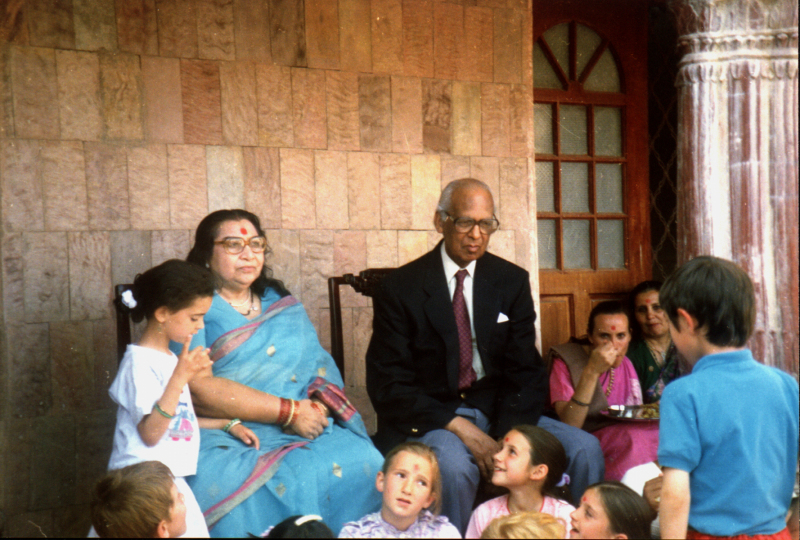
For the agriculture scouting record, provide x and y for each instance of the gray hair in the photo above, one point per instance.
(446, 198)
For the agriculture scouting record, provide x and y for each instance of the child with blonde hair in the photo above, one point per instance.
(525, 525)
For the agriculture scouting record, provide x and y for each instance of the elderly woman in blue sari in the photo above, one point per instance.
(270, 372)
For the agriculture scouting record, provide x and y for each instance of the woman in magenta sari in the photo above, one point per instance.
(586, 378)
(271, 373)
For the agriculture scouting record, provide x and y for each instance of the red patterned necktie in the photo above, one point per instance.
(466, 374)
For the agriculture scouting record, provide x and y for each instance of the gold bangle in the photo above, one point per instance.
(581, 403)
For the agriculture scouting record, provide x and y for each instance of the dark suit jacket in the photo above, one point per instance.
(412, 360)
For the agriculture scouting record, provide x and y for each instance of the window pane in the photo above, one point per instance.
(572, 127)
(557, 39)
(547, 243)
(588, 40)
(574, 187)
(545, 197)
(610, 243)
(608, 187)
(543, 128)
(543, 74)
(608, 131)
(604, 76)
(576, 243)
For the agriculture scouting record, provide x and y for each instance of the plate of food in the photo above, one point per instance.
(633, 413)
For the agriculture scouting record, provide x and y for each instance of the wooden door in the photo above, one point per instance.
(591, 138)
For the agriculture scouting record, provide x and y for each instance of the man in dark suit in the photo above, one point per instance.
(453, 360)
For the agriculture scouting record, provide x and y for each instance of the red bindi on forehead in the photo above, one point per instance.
(506, 439)
(416, 467)
(613, 327)
(583, 499)
(243, 230)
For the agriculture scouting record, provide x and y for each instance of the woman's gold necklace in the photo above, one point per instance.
(248, 300)
(610, 382)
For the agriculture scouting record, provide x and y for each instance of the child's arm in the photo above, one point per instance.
(675, 500)
(240, 431)
(153, 426)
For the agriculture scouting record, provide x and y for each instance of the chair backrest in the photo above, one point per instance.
(366, 283)
(123, 321)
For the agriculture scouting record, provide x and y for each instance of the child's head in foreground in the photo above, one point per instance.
(139, 500)
(310, 526)
(531, 455)
(525, 525)
(714, 295)
(410, 482)
(611, 510)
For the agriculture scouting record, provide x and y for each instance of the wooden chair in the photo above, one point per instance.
(123, 321)
(366, 283)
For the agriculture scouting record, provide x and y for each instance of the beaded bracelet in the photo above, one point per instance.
(234, 422)
(162, 412)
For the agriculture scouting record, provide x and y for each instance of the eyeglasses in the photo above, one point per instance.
(465, 225)
(235, 245)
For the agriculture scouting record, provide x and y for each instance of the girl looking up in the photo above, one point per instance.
(531, 465)
(155, 418)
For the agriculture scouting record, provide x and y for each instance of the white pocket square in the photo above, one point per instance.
(502, 318)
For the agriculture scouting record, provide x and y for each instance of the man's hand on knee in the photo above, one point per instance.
(482, 446)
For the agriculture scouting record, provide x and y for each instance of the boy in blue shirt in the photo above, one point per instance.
(729, 430)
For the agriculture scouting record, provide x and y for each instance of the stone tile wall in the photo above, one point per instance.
(124, 122)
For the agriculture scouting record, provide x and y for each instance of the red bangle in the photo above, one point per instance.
(283, 413)
(293, 409)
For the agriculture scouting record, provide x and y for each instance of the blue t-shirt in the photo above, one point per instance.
(732, 424)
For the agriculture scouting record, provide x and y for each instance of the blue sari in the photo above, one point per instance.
(243, 490)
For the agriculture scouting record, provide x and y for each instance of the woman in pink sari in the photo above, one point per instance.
(586, 378)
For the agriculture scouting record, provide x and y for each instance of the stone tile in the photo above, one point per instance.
(418, 38)
(322, 34)
(72, 370)
(364, 190)
(163, 116)
(239, 104)
(17, 458)
(396, 199)
(215, 39)
(426, 185)
(330, 184)
(487, 169)
(448, 34)
(15, 30)
(167, 245)
(188, 197)
(342, 109)
(35, 90)
(406, 115)
(225, 177)
(274, 94)
(495, 102)
(94, 434)
(362, 332)
(285, 258)
(262, 185)
(321, 319)
(381, 249)
(107, 186)
(433, 239)
(316, 266)
(121, 89)
(467, 119)
(13, 256)
(177, 28)
(477, 58)
(527, 46)
(350, 256)
(497, 4)
(355, 35)
(507, 46)
(308, 108)
(523, 254)
(287, 33)
(30, 387)
(130, 255)
(411, 245)
(375, 113)
(22, 199)
(503, 244)
(453, 168)
(73, 521)
(297, 189)
(250, 27)
(437, 110)
(46, 269)
(106, 361)
(90, 275)
(137, 26)
(52, 462)
(520, 121)
(50, 24)
(6, 90)
(79, 103)
(148, 187)
(200, 91)
(64, 186)
(387, 36)
(95, 25)
(30, 525)
(513, 200)
(360, 399)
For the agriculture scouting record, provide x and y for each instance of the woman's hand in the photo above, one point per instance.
(308, 422)
(246, 435)
(602, 358)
